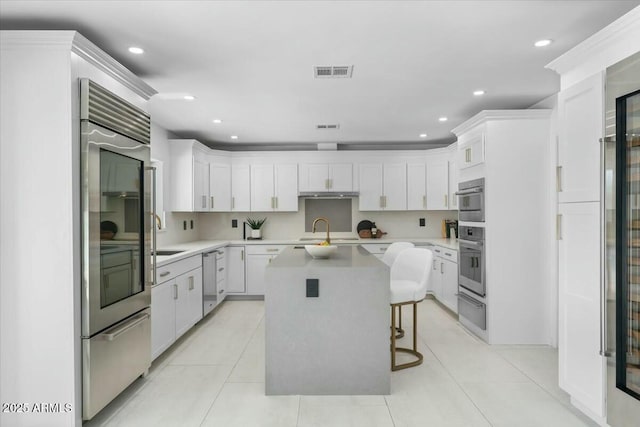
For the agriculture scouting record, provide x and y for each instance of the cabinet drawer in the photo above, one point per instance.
(264, 249)
(170, 271)
(449, 254)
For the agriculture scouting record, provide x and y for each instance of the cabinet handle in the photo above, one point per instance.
(446, 201)
(242, 255)
(220, 291)
(204, 201)
(434, 264)
(442, 268)
(270, 259)
(191, 285)
(326, 183)
(175, 291)
(330, 183)
(467, 155)
(233, 203)
(221, 269)
(273, 250)
(276, 202)
(380, 202)
(559, 179)
(165, 273)
(424, 201)
(211, 202)
(559, 226)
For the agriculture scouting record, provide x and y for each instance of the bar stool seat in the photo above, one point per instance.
(389, 258)
(409, 276)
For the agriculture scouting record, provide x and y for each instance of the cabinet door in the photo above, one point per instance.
(219, 187)
(200, 185)
(286, 188)
(580, 117)
(194, 296)
(370, 187)
(314, 177)
(416, 187)
(453, 184)
(340, 177)
(395, 187)
(163, 317)
(471, 152)
(435, 280)
(183, 315)
(256, 266)
(449, 273)
(235, 270)
(580, 365)
(262, 180)
(240, 188)
(438, 186)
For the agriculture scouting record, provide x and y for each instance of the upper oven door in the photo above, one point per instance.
(116, 195)
(471, 266)
(471, 200)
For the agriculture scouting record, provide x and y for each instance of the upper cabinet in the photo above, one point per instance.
(240, 188)
(383, 186)
(416, 186)
(471, 150)
(326, 177)
(219, 185)
(274, 188)
(453, 177)
(189, 176)
(580, 117)
(437, 184)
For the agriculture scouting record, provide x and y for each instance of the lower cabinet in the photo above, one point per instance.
(258, 257)
(176, 302)
(235, 270)
(444, 277)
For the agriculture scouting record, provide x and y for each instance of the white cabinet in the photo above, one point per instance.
(176, 302)
(326, 177)
(258, 257)
(416, 186)
(383, 186)
(240, 188)
(189, 176)
(219, 187)
(443, 282)
(235, 270)
(437, 185)
(580, 116)
(581, 367)
(274, 188)
(471, 150)
(453, 181)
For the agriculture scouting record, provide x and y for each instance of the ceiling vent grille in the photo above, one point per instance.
(343, 71)
(334, 126)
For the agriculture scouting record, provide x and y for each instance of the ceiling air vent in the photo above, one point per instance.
(343, 71)
(334, 126)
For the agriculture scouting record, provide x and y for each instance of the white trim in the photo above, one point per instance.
(81, 46)
(612, 44)
(485, 115)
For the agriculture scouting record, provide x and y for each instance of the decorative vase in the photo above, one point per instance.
(255, 234)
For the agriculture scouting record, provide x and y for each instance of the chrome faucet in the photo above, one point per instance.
(313, 227)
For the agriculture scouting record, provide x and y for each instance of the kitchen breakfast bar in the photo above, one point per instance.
(327, 323)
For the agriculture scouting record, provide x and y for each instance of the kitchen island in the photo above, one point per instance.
(327, 323)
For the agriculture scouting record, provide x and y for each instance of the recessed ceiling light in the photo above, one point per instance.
(136, 50)
(217, 121)
(423, 135)
(542, 43)
(234, 136)
(478, 92)
(189, 97)
(442, 119)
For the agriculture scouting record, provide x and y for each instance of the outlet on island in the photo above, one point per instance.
(422, 222)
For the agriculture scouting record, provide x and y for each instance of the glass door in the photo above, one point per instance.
(628, 283)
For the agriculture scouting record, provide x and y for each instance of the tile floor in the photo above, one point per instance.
(214, 376)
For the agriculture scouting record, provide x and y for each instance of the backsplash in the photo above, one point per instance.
(290, 225)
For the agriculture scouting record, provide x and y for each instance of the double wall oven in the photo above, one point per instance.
(116, 245)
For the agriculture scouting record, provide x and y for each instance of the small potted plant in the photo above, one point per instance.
(255, 225)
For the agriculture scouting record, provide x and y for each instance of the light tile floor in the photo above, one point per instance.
(214, 376)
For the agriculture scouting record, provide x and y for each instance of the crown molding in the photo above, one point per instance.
(488, 115)
(75, 42)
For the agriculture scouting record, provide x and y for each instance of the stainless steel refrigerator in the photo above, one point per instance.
(621, 238)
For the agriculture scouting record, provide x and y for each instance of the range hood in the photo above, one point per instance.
(328, 194)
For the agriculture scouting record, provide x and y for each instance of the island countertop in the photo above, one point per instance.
(347, 256)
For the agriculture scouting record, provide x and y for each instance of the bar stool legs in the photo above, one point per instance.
(394, 348)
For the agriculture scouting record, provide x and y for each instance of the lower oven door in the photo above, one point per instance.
(113, 359)
(471, 266)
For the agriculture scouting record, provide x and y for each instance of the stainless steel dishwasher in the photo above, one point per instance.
(213, 279)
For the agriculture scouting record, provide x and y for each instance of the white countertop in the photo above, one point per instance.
(202, 246)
